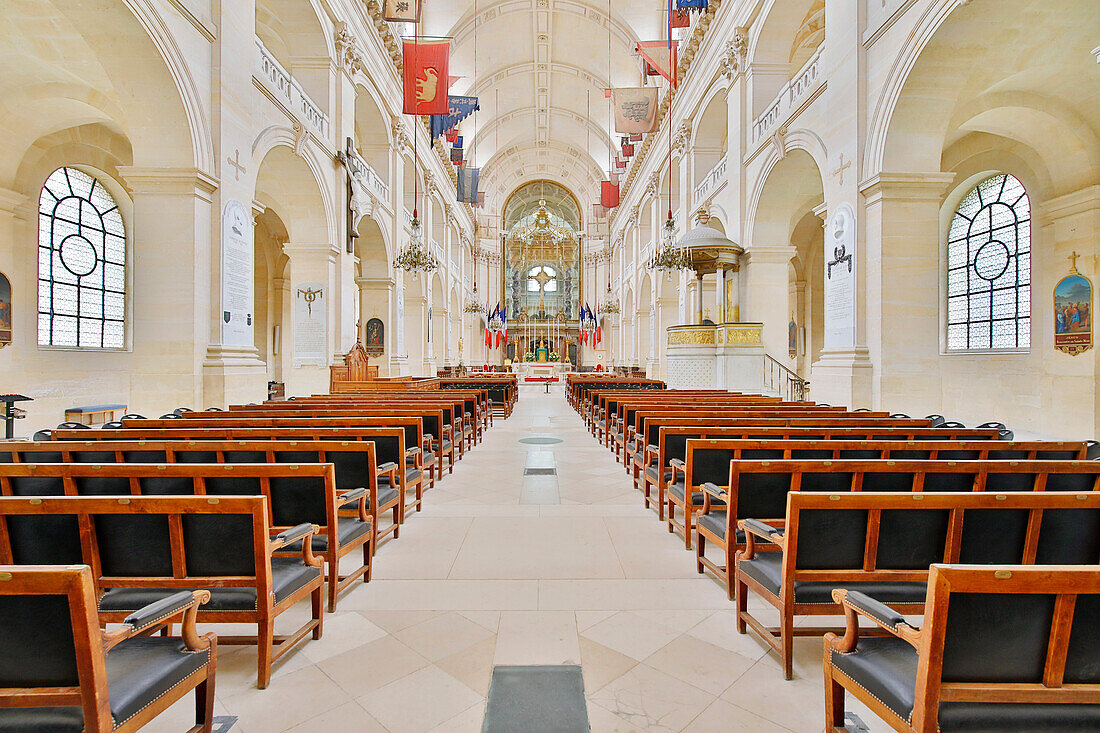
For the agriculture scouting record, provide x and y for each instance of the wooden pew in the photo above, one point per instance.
(412, 478)
(883, 544)
(296, 494)
(712, 463)
(147, 548)
(355, 466)
(67, 661)
(954, 671)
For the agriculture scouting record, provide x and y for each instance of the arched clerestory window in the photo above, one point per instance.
(81, 264)
(989, 268)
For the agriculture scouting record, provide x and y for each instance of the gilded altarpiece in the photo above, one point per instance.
(541, 273)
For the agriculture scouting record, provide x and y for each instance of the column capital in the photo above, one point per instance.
(768, 255)
(906, 186)
(375, 283)
(1076, 202)
(14, 202)
(168, 181)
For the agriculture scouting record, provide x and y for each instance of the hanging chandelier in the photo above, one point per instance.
(414, 257)
(610, 305)
(670, 257)
(474, 305)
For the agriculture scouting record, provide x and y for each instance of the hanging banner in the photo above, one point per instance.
(609, 194)
(691, 5)
(456, 155)
(635, 109)
(659, 56)
(628, 150)
(401, 11)
(458, 109)
(1073, 313)
(680, 18)
(425, 65)
(468, 179)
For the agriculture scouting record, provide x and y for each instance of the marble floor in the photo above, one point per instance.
(506, 568)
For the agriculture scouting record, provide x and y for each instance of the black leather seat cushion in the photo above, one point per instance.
(350, 529)
(448, 446)
(887, 668)
(715, 523)
(884, 666)
(138, 672)
(411, 475)
(386, 494)
(651, 474)
(141, 670)
(289, 574)
(639, 458)
(767, 569)
(41, 720)
(677, 490)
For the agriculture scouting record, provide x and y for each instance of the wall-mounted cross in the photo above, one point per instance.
(840, 171)
(1073, 262)
(237, 165)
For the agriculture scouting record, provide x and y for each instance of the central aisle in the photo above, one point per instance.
(561, 567)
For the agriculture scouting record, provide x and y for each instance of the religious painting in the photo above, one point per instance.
(401, 11)
(1073, 314)
(376, 336)
(5, 311)
(792, 339)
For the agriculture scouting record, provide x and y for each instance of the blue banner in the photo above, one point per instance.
(691, 4)
(460, 108)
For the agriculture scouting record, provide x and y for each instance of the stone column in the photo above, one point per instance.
(313, 265)
(720, 295)
(766, 301)
(376, 296)
(898, 328)
(698, 298)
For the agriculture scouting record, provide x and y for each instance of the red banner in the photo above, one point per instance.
(659, 56)
(609, 194)
(425, 65)
(680, 18)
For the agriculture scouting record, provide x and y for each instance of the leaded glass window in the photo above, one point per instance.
(989, 268)
(81, 264)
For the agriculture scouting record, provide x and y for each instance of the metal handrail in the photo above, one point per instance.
(784, 381)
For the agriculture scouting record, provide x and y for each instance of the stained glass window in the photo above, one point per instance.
(989, 268)
(81, 264)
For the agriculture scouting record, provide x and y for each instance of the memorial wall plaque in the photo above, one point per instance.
(237, 275)
(310, 324)
(840, 279)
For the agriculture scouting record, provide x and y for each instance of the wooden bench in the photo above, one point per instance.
(143, 549)
(1000, 649)
(74, 676)
(296, 494)
(882, 544)
(92, 414)
(711, 463)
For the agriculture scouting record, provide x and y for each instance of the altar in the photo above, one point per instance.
(536, 371)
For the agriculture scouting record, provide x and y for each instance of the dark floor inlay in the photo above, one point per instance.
(536, 698)
(223, 723)
(540, 472)
(540, 441)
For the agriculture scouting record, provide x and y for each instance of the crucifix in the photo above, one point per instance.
(841, 169)
(542, 279)
(237, 165)
(1073, 262)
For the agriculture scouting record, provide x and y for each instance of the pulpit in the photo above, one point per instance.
(356, 368)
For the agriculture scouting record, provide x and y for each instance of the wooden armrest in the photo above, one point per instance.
(349, 496)
(411, 452)
(714, 490)
(677, 463)
(762, 530)
(289, 536)
(387, 467)
(858, 604)
(159, 613)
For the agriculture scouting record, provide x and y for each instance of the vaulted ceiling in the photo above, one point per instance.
(540, 68)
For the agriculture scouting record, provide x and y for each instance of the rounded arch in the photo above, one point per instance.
(288, 184)
(277, 143)
(956, 76)
(797, 143)
(296, 33)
